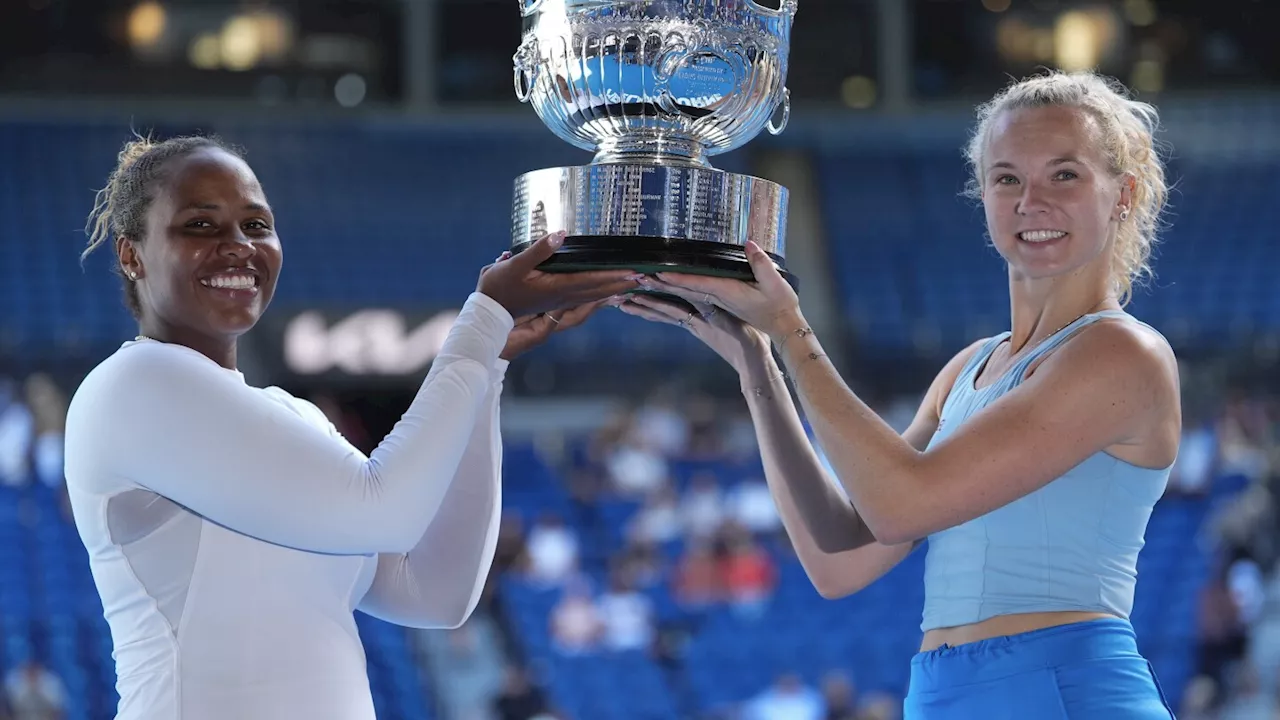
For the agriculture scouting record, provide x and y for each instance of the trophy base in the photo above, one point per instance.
(651, 217)
(651, 255)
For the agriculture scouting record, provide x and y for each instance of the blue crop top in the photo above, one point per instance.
(1071, 545)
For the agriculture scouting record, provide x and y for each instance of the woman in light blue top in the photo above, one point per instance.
(1035, 459)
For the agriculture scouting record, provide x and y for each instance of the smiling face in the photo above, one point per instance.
(1052, 201)
(208, 264)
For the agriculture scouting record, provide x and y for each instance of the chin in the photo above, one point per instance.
(234, 326)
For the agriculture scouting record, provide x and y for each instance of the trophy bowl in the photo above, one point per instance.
(654, 88)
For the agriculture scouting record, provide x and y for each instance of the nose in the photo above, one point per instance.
(237, 246)
(1032, 200)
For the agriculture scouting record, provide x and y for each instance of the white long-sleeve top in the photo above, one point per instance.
(232, 531)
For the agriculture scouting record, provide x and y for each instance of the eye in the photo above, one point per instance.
(199, 224)
(1006, 180)
(1065, 175)
(258, 225)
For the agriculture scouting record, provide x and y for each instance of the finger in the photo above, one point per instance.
(632, 308)
(660, 304)
(704, 302)
(677, 314)
(762, 266)
(523, 319)
(589, 279)
(539, 251)
(582, 296)
(699, 283)
(574, 317)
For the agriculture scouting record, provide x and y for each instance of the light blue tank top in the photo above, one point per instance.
(1071, 545)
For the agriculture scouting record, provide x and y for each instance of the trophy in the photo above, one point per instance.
(654, 88)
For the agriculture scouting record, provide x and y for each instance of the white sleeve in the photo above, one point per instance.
(168, 420)
(438, 583)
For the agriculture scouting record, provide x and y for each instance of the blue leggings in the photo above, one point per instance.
(1082, 670)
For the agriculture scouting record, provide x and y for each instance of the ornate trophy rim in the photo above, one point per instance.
(644, 117)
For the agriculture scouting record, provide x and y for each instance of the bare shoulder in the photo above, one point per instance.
(1118, 350)
(1131, 369)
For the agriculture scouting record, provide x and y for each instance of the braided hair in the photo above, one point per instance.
(120, 208)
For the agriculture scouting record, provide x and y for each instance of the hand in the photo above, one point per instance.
(769, 304)
(741, 345)
(533, 330)
(515, 282)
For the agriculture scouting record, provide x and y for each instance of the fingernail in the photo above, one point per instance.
(636, 276)
(615, 301)
(557, 238)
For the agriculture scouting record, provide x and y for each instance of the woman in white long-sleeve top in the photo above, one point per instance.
(231, 530)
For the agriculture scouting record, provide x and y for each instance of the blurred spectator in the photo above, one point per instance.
(1244, 437)
(1244, 526)
(16, 429)
(576, 623)
(1197, 459)
(1247, 701)
(788, 699)
(705, 437)
(1223, 639)
(881, 706)
(661, 427)
(1198, 699)
(518, 700)
(703, 506)
(696, 581)
(467, 664)
(48, 407)
(35, 693)
(747, 572)
(552, 551)
(750, 504)
(627, 616)
(642, 563)
(739, 437)
(659, 520)
(511, 543)
(839, 698)
(635, 468)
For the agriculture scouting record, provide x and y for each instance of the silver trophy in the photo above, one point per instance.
(654, 88)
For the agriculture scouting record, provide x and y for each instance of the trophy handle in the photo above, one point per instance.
(525, 75)
(785, 103)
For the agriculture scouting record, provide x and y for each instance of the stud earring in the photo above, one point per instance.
(1124, 215)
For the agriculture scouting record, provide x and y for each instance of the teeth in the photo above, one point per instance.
(231, 282)
(1041, 235)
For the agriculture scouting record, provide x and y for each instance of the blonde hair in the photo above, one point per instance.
(1128, 128)
(120, 208)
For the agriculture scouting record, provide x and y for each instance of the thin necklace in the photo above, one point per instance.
(1046, 337)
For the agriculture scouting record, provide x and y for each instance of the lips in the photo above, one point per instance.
(237, 281)
(1041, 235)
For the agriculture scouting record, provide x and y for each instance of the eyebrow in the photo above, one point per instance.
(256, 207)
(1056, 161)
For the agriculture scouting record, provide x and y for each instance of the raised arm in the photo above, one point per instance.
(438, 583)
(165, 418)
(1114, 386)
(1108, 387)
(839, 552)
